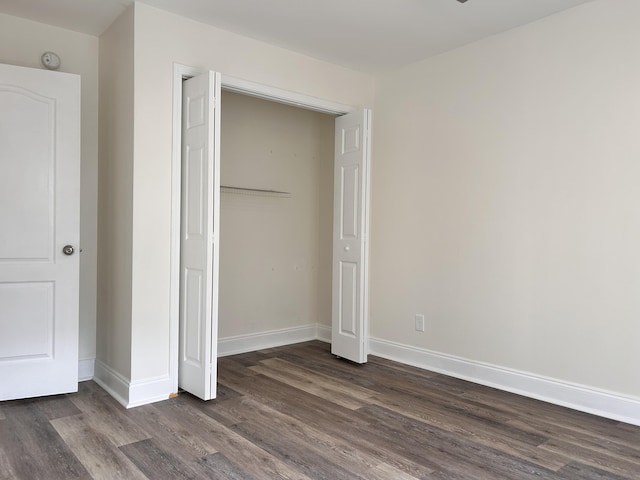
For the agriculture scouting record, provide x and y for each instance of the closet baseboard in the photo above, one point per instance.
(272, 338)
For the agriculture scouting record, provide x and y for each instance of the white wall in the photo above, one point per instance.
(22, 42)
(161, 39)
(275, 252)
(505, 200)
(116, 197)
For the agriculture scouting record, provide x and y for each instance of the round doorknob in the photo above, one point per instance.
(347, 248)
(68, 250)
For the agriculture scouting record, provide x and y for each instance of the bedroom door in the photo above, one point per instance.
(39, 231)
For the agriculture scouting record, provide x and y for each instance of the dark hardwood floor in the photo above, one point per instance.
(296, 412)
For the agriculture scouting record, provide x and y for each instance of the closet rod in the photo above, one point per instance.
(253, 191)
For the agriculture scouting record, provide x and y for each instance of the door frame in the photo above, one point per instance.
(246, 87)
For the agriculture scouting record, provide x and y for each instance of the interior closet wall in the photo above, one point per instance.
(275, 250)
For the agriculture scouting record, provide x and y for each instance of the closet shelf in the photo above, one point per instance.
(256, 192)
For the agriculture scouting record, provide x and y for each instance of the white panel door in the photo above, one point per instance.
(39, 219)
(200, 220)
(349, 332)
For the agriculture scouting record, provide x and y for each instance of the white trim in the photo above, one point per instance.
(268, 339)
(215, 253)
(149, 391)
(86, 368)
(578, 397)
(367, 234)
(112, 382)
(132, 394)
(323, 333)
(279, 95)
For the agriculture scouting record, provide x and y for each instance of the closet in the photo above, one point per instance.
(273, 224)
(276, 209)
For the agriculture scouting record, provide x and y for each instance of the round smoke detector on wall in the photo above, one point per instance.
(50, 60)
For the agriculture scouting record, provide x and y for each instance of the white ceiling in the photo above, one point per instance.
(367, 35)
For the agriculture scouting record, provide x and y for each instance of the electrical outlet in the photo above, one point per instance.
(419, 322)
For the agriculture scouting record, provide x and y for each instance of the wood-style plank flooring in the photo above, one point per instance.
(296, 412)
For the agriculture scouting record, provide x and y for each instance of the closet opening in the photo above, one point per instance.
(276, 223)
(289, 205)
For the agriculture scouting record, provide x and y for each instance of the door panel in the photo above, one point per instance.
(39, 214)
(199, 236)
(32, 337)
(194, 310)
(348, 299)
(28, 136)
(349, 194)
(349, 329)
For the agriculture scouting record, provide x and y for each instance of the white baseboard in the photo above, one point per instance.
(114, 383)
(578, 397)
(323, 333)
(85, 369)
(132, 394)
(268, 339)
(149, 391)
